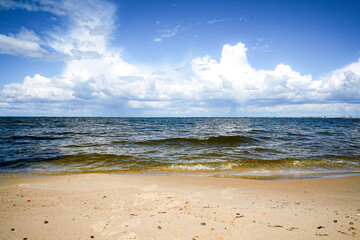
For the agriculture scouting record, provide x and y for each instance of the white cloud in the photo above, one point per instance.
(96, 80)
(38, 88)
(25, 43)
(215, 20)
(261, 45)
(39, 5)
(171, 32)
(342, 84)
(21, 47)
(157, 40)
(90, 24)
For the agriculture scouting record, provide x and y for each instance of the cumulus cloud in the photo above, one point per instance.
(342, 84)
(96, 80)
(38, 88)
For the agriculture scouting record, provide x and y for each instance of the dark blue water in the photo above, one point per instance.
(244, 147)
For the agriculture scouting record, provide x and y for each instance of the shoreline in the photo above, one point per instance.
(264, 175)
(119, 206)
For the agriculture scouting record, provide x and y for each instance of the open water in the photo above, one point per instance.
(256, 148)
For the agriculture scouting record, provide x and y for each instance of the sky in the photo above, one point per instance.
(180, 58)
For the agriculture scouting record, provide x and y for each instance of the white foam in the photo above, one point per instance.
(197, 167)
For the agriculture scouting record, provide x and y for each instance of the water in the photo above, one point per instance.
(257, 148)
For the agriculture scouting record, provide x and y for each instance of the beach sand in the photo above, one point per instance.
(103, 206)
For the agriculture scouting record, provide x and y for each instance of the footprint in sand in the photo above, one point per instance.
(129, 236)
(99, 226)
(168, 205)
(117, 206)
(142, 197)
(116, 228)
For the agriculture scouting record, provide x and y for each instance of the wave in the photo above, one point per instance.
(218, 140)
(32, 138)
(293, 163)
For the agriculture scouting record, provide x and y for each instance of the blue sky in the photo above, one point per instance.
(179, 58)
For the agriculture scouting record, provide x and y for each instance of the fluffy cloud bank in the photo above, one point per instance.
(97, 81)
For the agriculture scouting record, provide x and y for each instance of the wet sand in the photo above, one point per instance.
(102, 206)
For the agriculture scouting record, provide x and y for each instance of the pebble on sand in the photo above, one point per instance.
(46, 221)
(203, 224)
(238, 215)
(319, 227)
(13, 229)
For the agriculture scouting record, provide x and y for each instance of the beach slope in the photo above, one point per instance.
(103, 206)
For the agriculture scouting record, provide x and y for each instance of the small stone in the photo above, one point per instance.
(159, 227)
(46, 221)
(297, 203)
(203, 224)
(92, 236)
(104, 197)
(351, 228)
(13, 229)
(351, 223)
(335, 221)
(25, 238)
(28, 200)
(319, 227)
(347, 217)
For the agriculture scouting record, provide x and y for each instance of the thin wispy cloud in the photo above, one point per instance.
(171, 32)
(167, 32)
(261, 45)
(216, 20)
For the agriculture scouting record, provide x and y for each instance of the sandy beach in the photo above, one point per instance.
(103, 206)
